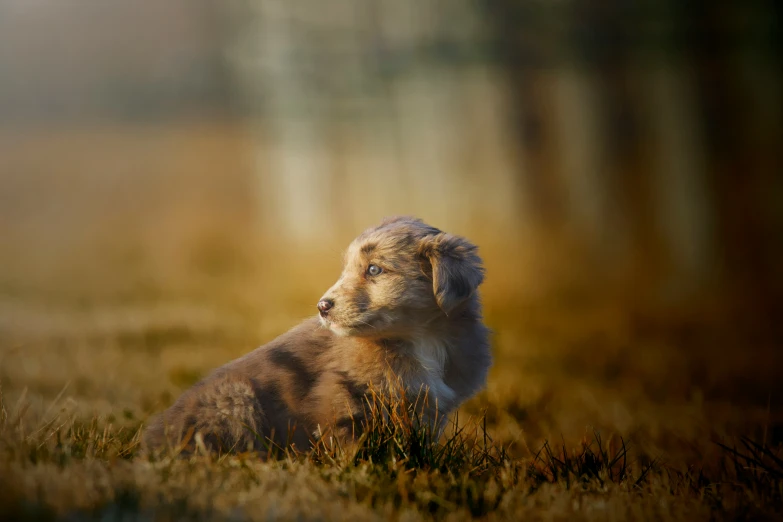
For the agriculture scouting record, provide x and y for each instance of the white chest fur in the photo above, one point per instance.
(431, 357)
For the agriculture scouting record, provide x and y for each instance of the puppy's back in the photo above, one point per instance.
(259, 397)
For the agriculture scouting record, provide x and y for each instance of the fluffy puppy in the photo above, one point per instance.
(403, 316)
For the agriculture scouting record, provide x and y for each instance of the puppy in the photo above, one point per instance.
(404, 315)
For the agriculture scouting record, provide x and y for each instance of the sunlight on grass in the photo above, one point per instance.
(601, 404)
(397, 463)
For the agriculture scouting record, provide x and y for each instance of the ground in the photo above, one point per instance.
(598, 406)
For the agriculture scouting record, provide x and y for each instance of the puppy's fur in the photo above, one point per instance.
(416, 324)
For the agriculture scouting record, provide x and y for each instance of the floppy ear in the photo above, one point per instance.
(456, 269)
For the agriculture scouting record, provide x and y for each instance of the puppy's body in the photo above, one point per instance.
(414, 324)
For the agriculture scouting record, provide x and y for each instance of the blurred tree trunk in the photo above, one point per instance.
(520, 30)
(605, 41)
(741, 116)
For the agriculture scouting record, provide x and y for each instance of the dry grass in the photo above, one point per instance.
(397, 469)
(599, 406)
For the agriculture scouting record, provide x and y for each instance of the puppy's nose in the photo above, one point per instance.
(324, 305)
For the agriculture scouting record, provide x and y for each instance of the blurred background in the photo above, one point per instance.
(178, 179)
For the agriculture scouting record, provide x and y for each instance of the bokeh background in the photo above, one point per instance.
(179, 178)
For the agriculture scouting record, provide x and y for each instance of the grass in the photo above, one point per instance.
(541, 442)
(398, 468)
(600, 405)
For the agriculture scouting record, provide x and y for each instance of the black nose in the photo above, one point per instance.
(324, 305)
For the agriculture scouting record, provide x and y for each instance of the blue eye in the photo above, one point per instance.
(374, 270)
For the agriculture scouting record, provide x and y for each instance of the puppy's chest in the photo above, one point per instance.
(418, 367)
(422, 367)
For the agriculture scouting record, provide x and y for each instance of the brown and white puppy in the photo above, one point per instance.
(405, 312)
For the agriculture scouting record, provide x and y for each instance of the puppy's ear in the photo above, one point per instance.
(456, 269)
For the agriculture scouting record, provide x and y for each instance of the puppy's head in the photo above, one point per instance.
(398, 277)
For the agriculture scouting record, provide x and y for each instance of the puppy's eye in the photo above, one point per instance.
(374, 270)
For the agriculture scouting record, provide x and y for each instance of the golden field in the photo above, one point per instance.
(132, 264)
